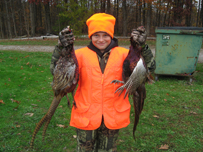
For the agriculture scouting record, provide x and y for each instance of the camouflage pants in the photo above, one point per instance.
(99, 140)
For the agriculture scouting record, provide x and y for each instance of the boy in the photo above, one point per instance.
(100, 113)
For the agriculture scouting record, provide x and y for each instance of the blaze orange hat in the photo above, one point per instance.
(101, 22)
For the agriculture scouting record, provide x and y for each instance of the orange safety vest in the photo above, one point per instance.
(95, 95)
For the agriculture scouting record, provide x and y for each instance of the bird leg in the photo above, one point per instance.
(150, 78)
(73, 94)
(68, 101)
(120, 89)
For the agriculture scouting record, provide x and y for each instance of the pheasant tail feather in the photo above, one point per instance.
(47, 118)
(138, 103)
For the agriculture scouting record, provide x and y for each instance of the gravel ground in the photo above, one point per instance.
(31, 48)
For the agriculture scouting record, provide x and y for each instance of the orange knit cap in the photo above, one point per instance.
(101, 22)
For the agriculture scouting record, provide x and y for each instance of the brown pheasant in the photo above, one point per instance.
(65, 79)
(135, 74)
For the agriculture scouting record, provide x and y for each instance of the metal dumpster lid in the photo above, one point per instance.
(180, 30)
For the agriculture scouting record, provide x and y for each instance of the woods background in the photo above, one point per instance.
(25, 18)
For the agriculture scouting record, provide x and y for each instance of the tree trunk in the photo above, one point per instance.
(139, 3)
(136, 15)
(143, 18)
(20, 14)
(197, 22)
(102, 5)
(159, 18)
(178, 11)
(13, 16)
(8, 19)
(149, 8)
(117, 14)
(108, 6)
(26, 20)
(190, 15)
(124, 18)
(2, 20)
(32, 18)
(48, 18)
(164, 23)
(1, 26)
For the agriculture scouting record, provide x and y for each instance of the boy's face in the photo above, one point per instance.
(101, 40)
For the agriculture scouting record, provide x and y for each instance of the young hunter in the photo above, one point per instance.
(99, 112)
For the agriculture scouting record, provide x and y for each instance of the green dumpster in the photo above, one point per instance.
(177, 50)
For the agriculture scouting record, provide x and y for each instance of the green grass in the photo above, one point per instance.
(172, 113)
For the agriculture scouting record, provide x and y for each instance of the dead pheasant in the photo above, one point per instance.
(65, 79)
(135, 74)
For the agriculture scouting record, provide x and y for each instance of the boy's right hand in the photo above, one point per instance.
(66, 37)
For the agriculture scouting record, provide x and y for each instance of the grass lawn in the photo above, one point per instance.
(171, 118)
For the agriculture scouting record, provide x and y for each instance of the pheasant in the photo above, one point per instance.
(66, 76)
(134, 75)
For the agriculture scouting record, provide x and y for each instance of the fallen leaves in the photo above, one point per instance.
(120, 140)
(61, 126)
(192, 112)
(1, 101)
(74, 136)
(164, 147)
(34, 105)
(155, 116)
(18, 102)
(29, 114)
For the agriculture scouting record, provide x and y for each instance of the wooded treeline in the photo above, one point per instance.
(42, 17)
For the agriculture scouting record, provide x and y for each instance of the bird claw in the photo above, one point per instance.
(119, 90)
(117, 82)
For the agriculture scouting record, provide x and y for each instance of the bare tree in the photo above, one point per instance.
(149, 10)
(26, 19)
(13, 17)
(32, 18)
(202, 13)
(124, 18)
(139, 3)
(143, 18)
(165, 14)
(8, 19)
(188, 12)
(198, 14)
(103, 5)
(48, 18)
(108, 6)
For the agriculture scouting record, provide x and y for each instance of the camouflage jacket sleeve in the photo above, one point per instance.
(54, 58)
(149, 58)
